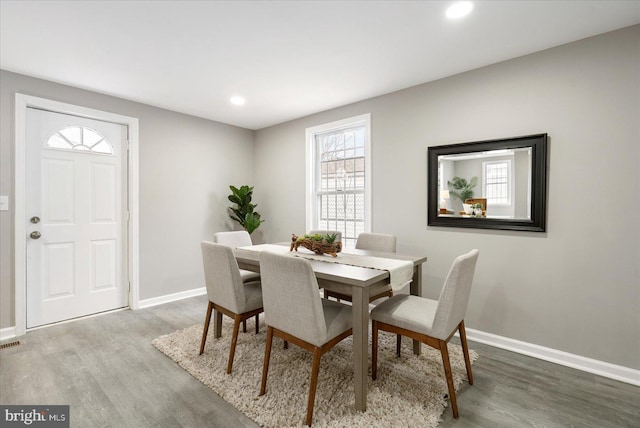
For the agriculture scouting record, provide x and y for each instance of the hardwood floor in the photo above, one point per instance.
(107, 370)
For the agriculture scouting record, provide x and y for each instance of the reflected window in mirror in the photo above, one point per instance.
(498, 184)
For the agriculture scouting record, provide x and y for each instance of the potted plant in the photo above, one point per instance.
(319, 244)
(244, 211)
(461, 188)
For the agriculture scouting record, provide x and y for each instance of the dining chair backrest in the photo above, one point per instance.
(222, 277)
(235, 239)
(290, 297)
(376, 242)
(454, 297)
(328, 232)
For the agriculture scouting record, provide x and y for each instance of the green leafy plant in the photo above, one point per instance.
(244, 211)
(330, 238)
(461, 188)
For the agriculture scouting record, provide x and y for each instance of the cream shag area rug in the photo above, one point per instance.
(409, 391)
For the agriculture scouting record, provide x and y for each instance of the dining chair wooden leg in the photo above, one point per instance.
(447, 372)
(244, 326)
(374, 350)
(267, 357)
(314, 383)
(465, 351)
(257, 323)
(234, 341)
(398, 344)
(207, 319)
(286, 345)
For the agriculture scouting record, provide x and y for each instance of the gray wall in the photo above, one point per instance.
(186, 165)
(575, 288)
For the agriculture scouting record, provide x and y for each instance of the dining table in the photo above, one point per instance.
(359, 282)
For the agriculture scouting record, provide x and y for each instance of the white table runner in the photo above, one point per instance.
(400, 271)
(282, 249)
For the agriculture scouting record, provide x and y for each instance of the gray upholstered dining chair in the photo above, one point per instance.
(235, 239)
(376, 242)
(295, 312)
(432, 322)
(227, 293)
(382, 242)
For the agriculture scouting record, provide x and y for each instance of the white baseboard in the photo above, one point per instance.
(7, 333)
(154, 301)
(601, 368)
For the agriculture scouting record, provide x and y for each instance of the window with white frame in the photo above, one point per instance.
(497, 182)
(338, 177)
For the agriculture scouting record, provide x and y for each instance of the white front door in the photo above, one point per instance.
(76, 225)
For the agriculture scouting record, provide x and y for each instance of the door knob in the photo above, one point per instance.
(35, 220)
(35, 235)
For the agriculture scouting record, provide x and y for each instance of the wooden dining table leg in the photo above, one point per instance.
(360, 311)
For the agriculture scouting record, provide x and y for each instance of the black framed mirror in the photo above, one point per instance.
(493, 184)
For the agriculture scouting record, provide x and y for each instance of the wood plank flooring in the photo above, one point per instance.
(107, 370)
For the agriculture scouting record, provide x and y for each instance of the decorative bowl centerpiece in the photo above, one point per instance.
(319, 244)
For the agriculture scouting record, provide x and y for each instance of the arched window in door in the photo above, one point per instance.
(81, 139)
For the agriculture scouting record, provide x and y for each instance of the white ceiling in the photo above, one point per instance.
(287, 58)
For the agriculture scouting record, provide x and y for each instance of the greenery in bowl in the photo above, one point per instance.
(329, 239)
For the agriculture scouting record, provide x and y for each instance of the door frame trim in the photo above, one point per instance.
(20, 231)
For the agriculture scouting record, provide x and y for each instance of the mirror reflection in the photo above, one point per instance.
(489, 184)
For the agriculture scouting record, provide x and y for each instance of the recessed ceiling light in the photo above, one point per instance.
(459, 9)
(237, 100)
